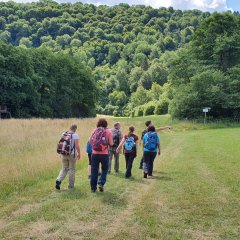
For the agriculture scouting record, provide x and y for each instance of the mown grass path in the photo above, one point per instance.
(194, 195)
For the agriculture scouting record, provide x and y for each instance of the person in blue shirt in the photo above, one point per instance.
(151, 144)
(158, 129)
(89, 152)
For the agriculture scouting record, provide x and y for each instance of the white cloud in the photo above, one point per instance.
(204, 5)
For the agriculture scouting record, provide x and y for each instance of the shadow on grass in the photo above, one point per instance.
(111, 198)
(131, 179)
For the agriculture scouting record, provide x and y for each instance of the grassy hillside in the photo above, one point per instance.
(194, 195)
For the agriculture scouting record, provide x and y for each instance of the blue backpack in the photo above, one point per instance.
(89, 148)
(130, 144)
(151, 141)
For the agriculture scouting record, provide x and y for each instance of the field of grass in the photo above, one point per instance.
(194, 195)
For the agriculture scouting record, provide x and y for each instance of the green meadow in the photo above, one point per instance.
(194, 194)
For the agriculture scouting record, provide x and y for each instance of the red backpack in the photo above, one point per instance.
(64, 144)
(98, 139)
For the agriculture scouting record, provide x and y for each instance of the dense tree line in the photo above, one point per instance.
(36, 82)
(121, 44)
(206, 74)
(144, 60)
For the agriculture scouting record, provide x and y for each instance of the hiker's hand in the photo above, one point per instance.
(79, 156)
(117, 150)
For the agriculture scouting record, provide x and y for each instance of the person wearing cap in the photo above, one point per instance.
(69, 161)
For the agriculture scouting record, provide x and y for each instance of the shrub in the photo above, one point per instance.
(138, 111)
(162, 106)
(149, 108)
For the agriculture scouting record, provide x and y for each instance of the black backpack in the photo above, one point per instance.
(116, 137)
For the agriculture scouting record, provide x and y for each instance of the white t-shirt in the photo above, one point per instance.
(74, 137)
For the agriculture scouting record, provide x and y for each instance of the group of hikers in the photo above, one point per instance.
(105, 144)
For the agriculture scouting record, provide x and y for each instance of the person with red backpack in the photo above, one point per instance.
(117, 137)
(69, 149)
(100, 140)
(130, 149)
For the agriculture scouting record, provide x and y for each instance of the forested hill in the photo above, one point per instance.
(133, 52)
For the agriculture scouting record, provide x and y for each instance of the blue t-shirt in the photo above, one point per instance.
(145, 138)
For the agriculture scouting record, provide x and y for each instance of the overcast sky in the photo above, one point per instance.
(204, 5)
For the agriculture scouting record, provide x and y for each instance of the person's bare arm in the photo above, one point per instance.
(77, 148)
(120, 145)
(163, 128)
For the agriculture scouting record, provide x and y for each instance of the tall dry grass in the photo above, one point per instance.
(28, 147)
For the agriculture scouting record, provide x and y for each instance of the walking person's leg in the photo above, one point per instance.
(151, 160)
(63, 172)
(72, 168)
(116, 162)
(104, 164)
(129, 166)
(110, 161)
(94, 172)
(141, 162)
(89, 165)
(126, 159)
(146, 164)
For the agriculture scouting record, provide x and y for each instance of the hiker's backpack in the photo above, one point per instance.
(130, 144)
(98, 139)
(151, 141)
(116, 137)
(89, 148)
(65, 143)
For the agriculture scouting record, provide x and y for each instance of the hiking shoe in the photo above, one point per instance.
(101, 188)
(58, 184)
(93, 190)
(145, 175)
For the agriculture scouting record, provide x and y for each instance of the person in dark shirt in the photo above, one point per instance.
(130, 149)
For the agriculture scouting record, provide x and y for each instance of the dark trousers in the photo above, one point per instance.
(141, 162)
(96, 160)
(148, 162)
(129, 157)
(89, 159)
